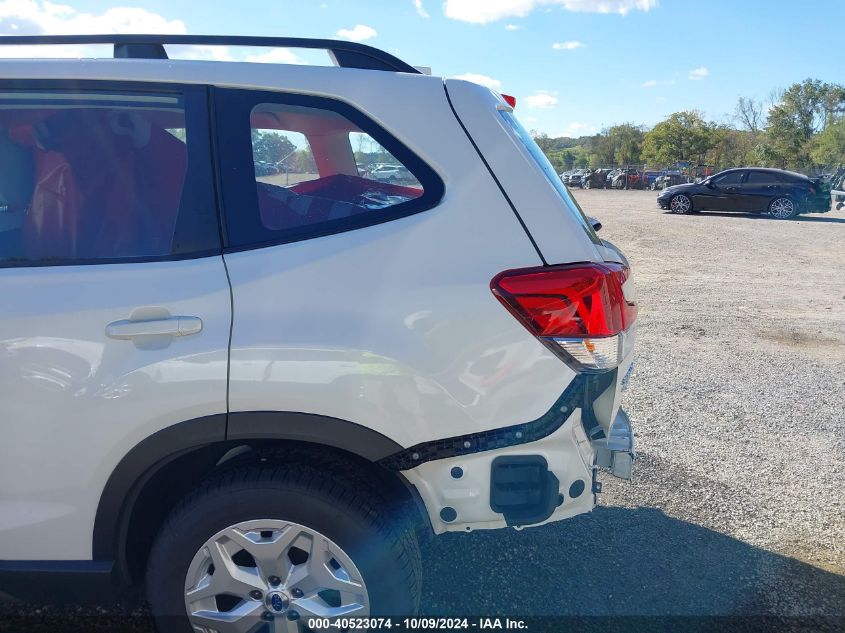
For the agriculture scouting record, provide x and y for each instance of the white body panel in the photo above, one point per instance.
(569, 456)
(75, 401)
(396, 323)
(559, 236)
(392, 326)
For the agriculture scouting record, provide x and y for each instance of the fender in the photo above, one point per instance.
(148, 457)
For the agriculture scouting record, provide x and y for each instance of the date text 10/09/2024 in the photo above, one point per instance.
(416, 624)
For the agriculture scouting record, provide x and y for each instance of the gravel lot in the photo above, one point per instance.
(738, 398)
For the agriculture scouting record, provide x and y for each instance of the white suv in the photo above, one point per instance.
(249, 392)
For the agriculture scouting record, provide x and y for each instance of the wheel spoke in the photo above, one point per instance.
(237, 580)
(245, 618)
(317, 608)
(269, 553)
(281, 624)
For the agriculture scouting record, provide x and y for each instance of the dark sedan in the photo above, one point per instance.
(781, 194)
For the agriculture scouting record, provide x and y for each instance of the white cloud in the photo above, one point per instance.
(30, 17)
(484, 11)
(571, 45)
(418, 5)
(541, 99)
(575, 129)
(511, 27)
(651, 83)
(359, 33)
(698, 73)
(484, 80)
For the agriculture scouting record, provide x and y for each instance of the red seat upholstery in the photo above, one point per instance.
(102, 191)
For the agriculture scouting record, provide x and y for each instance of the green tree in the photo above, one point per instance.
(681, 136)
(627, 143)
(803, 111)
(731, 147)
(829, 146)
(271, 147)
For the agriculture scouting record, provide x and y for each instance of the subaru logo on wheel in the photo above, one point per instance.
(278, 602)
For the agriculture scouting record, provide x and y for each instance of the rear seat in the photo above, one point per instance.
(115, 194)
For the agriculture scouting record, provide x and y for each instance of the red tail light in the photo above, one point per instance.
(581, 310)
(511, 101)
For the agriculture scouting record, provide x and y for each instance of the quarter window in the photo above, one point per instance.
(314, 167)
(90, 176)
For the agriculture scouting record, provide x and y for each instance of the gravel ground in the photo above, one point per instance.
(738, 398)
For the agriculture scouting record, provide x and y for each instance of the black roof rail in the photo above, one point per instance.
(344, 54)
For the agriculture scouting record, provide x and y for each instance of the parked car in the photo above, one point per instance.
(254, 426)
(390, 173)
(595, 179)
(573, 178)
(265, 168)
(668, 179)
(628, 178)
(781, 194)
(650, 176)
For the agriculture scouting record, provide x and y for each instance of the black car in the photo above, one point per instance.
(781, 194)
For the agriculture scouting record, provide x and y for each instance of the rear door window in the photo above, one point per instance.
(101, 176)
(314, 167)
(757, 178)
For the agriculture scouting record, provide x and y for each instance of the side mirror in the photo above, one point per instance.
(709, 184)
(594, 223)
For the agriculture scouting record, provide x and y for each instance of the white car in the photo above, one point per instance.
(249, 398)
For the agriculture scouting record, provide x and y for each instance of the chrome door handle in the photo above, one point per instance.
(126, 329)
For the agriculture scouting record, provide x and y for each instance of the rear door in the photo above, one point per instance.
(116, 306)
(759, 188)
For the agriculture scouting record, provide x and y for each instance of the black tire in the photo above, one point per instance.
(588, 184)
(355, 517)
(680, 204)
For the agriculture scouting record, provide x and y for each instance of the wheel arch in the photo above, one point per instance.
(155, 474)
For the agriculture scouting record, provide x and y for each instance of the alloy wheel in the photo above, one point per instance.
(271, 575)
(782, 208)
(680, 204)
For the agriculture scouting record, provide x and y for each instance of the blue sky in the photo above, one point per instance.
(615, 60)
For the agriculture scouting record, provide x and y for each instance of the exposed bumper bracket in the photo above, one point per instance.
(616, 452)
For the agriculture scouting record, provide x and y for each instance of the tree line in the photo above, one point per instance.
(800, 128)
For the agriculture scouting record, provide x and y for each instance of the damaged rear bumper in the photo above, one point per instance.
(616, 452)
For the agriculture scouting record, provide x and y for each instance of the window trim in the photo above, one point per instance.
(199, 176)
(743, 176)
(231, 108)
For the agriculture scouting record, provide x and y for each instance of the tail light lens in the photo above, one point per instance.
(582, 312)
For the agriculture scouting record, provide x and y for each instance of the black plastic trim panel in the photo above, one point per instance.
(308, 427)
(135, 468)
(545, 425)
(58, 581)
